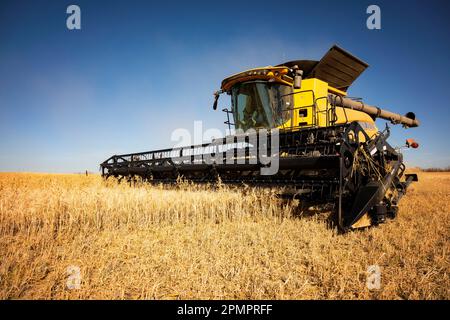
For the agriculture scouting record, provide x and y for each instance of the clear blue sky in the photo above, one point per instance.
(138, 70)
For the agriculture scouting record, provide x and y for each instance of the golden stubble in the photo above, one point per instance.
(210, 242)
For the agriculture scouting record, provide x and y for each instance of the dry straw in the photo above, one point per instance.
(184, 242)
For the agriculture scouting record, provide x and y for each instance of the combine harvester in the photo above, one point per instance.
(327, 147)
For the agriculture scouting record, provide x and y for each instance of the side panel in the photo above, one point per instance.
(311, 109)
(344, 115)
(310, 104)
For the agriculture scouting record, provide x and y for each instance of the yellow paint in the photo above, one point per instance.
(363, 222)
(337, 91)
(310, 104)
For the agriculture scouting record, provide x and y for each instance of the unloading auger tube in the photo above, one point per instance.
(325, 156)
(408, 120)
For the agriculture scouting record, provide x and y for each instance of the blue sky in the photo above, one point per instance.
(138, 70)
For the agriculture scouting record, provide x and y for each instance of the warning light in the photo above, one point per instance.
(411, 143)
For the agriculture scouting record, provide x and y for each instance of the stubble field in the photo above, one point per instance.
(77, 237)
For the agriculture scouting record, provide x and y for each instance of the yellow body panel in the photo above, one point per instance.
(311, 108)
(348, 115)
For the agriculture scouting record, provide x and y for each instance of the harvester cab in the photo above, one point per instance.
(329, 149)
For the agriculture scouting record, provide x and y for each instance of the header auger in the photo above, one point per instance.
(296, 129)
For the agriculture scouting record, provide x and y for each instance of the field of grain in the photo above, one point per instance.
(77, 237)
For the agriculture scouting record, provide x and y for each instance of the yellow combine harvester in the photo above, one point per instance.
(296, 129)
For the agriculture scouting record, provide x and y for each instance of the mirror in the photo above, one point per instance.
(216, 99)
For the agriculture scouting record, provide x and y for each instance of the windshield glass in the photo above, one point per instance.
(261, 104)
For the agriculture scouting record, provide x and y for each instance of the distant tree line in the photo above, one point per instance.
(446, 169)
